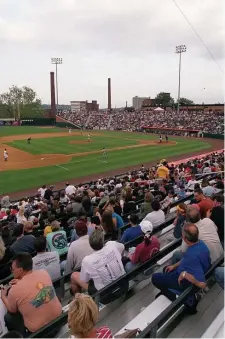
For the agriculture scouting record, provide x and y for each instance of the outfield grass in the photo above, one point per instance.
(19, 130)
(62, 145)
(18, 180)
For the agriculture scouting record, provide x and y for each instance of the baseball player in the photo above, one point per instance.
(104, 155)
(160, 138)
(89, 137)
(6, 155)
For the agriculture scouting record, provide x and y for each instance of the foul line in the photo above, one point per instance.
(62, 167)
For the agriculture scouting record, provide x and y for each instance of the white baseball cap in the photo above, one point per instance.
(146, 226)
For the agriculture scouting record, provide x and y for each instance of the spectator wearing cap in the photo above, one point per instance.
(207, 189)
(75, 236)
(133, 231)
(44, 260)
(157, 216)
(79, 248)
(203, 202)
(181, 194)
(144, 251)
(23, 243)
(57, 240)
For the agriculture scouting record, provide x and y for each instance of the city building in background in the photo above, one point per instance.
(137, 101)
(84, 105)
(147, 102)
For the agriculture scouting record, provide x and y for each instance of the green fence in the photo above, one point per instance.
(213, 136)
(66, 124)
(38, 121)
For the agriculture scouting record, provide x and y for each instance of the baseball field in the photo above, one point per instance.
(55, 156)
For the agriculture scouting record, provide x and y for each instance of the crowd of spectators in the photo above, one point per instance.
(208, 122)
(55, 233)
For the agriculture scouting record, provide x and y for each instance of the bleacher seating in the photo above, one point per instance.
(162, 307)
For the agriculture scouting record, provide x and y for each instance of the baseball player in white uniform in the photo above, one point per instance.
(6, 155)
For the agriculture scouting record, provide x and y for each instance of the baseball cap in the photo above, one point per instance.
(81, 228)
(146, 226)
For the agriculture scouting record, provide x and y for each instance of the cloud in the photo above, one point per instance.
(131, 40)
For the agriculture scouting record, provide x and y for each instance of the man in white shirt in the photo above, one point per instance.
(100, 268)
(207, 233)
(42, 190)
(79, 248)
(70, 189)
(157, 217)
(191, 183)
(206, 169)
(48, 261)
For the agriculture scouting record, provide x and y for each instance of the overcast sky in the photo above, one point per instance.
(131, 41)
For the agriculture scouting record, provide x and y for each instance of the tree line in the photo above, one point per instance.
(20, 102)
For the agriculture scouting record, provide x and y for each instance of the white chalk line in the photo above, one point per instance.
(62, 167)
(83, 160)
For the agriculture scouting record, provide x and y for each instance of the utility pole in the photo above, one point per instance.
(179, 50)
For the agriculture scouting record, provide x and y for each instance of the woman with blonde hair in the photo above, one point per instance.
(20, 218)
(83, 316)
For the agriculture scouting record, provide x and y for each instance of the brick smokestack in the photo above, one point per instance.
(52, 89)
(109, 95)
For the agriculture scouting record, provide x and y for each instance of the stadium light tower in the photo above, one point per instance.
(179, 49)
(56, 62)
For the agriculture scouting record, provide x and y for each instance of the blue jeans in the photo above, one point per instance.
(129, 266)
(219, 276)
(166, 281)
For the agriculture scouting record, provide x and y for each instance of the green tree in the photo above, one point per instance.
(185, 102)
(21, 102)
(163, 99)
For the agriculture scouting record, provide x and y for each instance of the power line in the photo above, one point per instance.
(199, 37)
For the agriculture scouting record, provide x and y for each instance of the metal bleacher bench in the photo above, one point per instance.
(216, 328)
(161, 312)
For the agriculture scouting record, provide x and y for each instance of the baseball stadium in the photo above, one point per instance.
(111, 213)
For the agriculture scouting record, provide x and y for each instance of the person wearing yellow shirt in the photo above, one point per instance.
(162, 171)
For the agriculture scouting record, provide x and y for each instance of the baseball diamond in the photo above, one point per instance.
(54, 156)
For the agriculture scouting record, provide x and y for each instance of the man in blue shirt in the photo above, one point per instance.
(189, 270)
(132, 232)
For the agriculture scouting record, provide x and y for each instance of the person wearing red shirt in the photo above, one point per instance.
(144, 251)
(204, 203)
